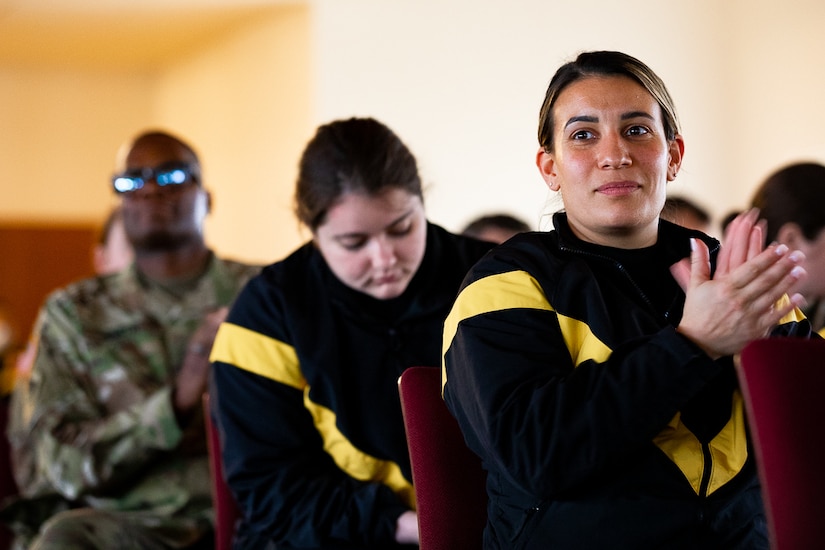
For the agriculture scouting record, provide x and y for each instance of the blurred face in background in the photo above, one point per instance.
(163, 217)
(115, 252)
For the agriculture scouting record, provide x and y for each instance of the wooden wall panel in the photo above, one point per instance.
(36, 259)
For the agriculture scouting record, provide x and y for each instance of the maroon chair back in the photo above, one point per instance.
(226, 509)
(783, 383)
(450, 484)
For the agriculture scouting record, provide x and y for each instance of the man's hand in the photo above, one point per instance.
(193, 377)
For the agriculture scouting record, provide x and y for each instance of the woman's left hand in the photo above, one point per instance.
(743, 240)
(724, 313)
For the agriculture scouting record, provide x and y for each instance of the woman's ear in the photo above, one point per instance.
(791, 234)
(546, 163)
(677, 153)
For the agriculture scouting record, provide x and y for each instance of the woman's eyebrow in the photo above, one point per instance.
(401, 218)
(581, 118)
(625, 116)
(637, 114)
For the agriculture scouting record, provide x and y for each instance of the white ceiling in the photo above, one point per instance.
(130, 34)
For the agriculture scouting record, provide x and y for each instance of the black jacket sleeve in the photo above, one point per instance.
(289, 488)
(512, 385)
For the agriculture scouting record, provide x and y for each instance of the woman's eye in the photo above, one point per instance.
(637, 131)
(401, 231)
(353, 244)
(582, 134)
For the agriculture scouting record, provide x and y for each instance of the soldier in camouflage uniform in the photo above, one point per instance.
(108, 439)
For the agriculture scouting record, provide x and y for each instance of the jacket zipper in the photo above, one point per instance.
(618, 266)
(706, 470)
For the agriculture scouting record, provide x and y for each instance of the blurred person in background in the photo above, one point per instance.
(687, 213)
(112, 251)
(792, 202)
(107, 435)
(8, 336)
(495, 228)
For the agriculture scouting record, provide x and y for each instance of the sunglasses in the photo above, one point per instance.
(171, 173)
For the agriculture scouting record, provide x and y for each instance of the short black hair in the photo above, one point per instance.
(498, 221)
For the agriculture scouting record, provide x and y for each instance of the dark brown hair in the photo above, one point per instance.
(795, 193)
(605, 63)
(354, 155)
(505, 222)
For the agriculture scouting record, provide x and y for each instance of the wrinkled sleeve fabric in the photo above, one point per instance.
(290, 489)
(64, 438)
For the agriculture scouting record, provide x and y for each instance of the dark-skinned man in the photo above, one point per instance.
(107, 434)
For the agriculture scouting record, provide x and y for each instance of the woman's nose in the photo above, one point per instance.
(613, 152)
(383, 253)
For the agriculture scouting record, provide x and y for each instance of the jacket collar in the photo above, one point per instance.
(673, 240)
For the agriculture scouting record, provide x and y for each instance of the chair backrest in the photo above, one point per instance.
(783, 383)
(450, 483)
(226, 509)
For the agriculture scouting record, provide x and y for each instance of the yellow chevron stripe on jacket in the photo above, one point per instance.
(254, 352)
(728, 449)
(276, 360)
(519, 289)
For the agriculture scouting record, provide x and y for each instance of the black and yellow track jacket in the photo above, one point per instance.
(305, 394)
(600, 425)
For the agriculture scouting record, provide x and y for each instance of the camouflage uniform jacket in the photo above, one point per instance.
(95, 425)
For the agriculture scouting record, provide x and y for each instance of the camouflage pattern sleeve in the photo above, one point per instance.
(93, 425)
(89, 419)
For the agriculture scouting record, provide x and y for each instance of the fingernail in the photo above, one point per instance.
(797, 272)
(796, 256)
(692, 244)
(799, 301)
(780, 249)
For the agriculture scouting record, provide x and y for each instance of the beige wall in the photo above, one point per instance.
(777, 99)
(462, 82)
(459, 80)
(60, 130)
(246, 102)
(243, 100)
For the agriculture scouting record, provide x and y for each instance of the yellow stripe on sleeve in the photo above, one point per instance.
(511, 290)
(356, 463)
(518, 290)
(258, 354)
(273, 359)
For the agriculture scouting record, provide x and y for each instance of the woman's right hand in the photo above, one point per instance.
(406, 528)
(740, 303)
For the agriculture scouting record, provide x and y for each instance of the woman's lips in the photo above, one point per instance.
(618, 188)
(386, 279)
